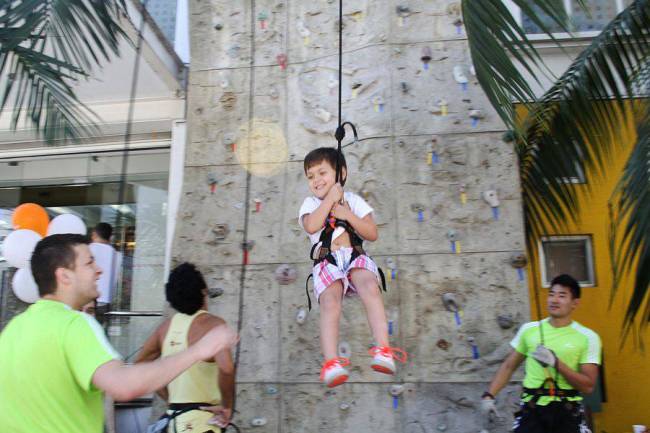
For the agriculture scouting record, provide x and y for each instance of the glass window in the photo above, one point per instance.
(601, 12)
(89, 186)
(571, 255)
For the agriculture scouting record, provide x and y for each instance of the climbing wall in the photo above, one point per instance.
(444, 186)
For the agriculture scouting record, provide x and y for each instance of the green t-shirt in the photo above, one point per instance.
(48, 356)
(573, 345)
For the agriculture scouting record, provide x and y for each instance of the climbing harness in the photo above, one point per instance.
(332, 224)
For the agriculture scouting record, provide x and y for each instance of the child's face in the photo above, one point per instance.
(321, 177)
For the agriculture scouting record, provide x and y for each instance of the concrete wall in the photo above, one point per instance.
(239, 93)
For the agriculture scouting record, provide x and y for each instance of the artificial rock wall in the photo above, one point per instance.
(262, 94)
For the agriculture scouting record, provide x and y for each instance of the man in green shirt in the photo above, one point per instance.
(562, 361)
(55, 362)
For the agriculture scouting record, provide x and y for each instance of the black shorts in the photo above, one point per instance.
(556, 417)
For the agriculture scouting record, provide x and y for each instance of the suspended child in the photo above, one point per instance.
(336, 223)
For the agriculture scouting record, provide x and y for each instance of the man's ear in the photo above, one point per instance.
(62, 276)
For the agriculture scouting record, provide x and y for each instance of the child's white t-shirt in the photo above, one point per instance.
(358, 206)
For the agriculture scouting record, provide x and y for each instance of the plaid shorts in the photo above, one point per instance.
(326, 273)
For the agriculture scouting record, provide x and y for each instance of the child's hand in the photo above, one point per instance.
(335, 193)
(342, 211)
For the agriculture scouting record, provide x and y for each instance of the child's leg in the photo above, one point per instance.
(330, 314)
(365, 283)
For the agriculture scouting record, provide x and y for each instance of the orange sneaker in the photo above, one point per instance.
(333, 372)
(383, 358)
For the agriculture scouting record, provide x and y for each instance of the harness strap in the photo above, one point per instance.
(546, 392)
(307, 290)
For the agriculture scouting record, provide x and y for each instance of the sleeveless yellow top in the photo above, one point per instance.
(198, 384)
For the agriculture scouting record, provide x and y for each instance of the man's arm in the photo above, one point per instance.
(152, 349)
(583, 380)
(505, 372)
(226, 378)
(125, 382)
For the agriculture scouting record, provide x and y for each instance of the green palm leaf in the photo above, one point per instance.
(576, 123)
(45, 47)
(630, 233)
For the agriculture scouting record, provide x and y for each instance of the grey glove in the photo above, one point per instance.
(545, 356)
(489, 408)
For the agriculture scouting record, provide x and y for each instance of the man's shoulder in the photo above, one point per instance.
(528, 326)
(208, 321)
(589, 334)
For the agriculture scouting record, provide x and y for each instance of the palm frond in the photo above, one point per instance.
(578, 121)
(630, 226)
(45, 47)
(498, 44)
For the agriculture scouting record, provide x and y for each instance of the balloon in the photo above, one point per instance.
(66, 223)
(18, 247)
(30, 216)
(24, 286)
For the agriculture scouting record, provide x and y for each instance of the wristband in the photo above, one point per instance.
(488, 394)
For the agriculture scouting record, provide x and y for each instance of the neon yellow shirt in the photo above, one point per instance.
(48, 356)
(573, 345)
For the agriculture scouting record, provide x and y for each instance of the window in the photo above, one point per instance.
(601, 12)
(571, 255)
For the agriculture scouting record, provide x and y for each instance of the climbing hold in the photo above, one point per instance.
(396, 390)
(356, 86)
(345, 351)
(472, 343)
(432, 157)
(344, 406)
(378, 103)
(443, 107)
(304, 32)
(271, 390)
(463, 193)
(215, 292)
(229, 139)
(393, 315)
(426, 57)
(262, 17)
(405, 87)
(258, 422)
(458, 23)
(212, 182)
(460, 77)
(220, 231)
(476, 115)
(322, 114)
(519, 261)
(390, 263)
(224, 83)
(451, 305)
(419, 209)
(492, 198)
(285, 274)
(443, 344)
(273, 92)
(258, 205)
(505, 321)
(301, 316)
(454, 239)
(402, 13)
(282, 61)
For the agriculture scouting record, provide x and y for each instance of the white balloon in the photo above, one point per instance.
(66, 223)
(24, 286)
(18, 247)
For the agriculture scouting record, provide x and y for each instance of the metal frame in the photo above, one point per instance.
(589, 253)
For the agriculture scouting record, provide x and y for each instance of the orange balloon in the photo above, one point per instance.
(30, 216)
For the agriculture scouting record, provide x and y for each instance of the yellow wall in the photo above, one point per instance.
(627, 370)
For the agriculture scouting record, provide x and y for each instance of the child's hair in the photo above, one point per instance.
(321, 154)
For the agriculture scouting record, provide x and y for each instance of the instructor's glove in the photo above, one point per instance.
(489, 408)
(545, 356)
